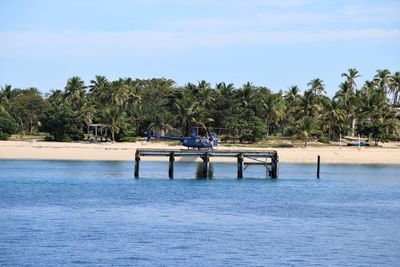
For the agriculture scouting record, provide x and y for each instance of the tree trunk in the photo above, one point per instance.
(30, 126)
(353, 126)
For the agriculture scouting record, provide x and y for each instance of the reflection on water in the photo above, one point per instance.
(200, 172)
(56, 213)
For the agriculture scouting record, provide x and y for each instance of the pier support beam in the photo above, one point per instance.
(318, 164)
(274, 166)
(240, 166)
(137, 163)
(206, 164)
(171, 165)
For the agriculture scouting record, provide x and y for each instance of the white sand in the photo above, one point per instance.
(126, 151)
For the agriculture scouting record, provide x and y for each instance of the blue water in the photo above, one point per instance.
(96, 213)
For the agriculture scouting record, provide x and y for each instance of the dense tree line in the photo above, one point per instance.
(127, 107)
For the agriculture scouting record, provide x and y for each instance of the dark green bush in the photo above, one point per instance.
(324, 139)
(4, 136)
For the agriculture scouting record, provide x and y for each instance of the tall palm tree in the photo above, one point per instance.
(350, 78)
(99, 88)
(123, 93)
(292, 96)
(348, 101)
(86, 114)
(74, 91)
(224, 89)
(394, 86)
(246, 94)
(273, 110)
(333, 116)
(309, 104)
(203, 85)
(6, 96)
(206, 97)
(56, 97)
(185, 107)
(383, 80)
(114, 119)
(317, 86)
(344, 92)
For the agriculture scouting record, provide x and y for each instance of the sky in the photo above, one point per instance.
(272, 43)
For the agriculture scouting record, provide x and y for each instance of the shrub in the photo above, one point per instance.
(62, 124)
(4, 136)
(324, 139)
(7, 124)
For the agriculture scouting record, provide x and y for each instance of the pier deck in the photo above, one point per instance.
(267, 158)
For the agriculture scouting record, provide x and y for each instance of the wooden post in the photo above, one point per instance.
(318, 164)
(137, 162)
(171, 165)
(274, 166)
(206, 164)
(240, 166)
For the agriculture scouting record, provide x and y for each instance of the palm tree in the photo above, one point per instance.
(344, 92)
(205, 97)
(308, 104)
(56, 97)
(246, 94)
(86, 114)
(394, 86)
(100, 88)
(347, 100)
(350, 78)
(317, 86)
(224, 89)
(334, 116)
(114, 119)
(292, 96)
(6, 95)
(306, 128)
(74, 92)
(383, 80)
(185, 108)
(273, 109)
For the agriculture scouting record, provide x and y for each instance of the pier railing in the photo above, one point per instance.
(245, 158)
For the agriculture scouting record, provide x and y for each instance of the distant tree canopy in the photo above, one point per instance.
(8, 125)
(127, 107)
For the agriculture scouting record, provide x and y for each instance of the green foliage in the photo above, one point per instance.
(307, 128)
(248, 113)
(4, 136)
(252, 129)
(324, 139)
(62, 124)
(8, 126)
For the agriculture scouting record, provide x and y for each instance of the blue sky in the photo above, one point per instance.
(273, 43)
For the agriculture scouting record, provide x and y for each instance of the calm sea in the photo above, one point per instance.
(95, 213)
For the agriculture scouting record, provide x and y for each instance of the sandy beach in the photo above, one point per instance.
(125, 151)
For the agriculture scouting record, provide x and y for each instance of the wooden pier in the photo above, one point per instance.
(245, 158)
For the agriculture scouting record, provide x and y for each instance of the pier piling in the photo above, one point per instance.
(274, 166)
(137, 163)
(240, 166)
(171, 165)
(318, 165)
(266, 158)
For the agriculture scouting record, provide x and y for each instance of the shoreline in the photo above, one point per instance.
(32, 150)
